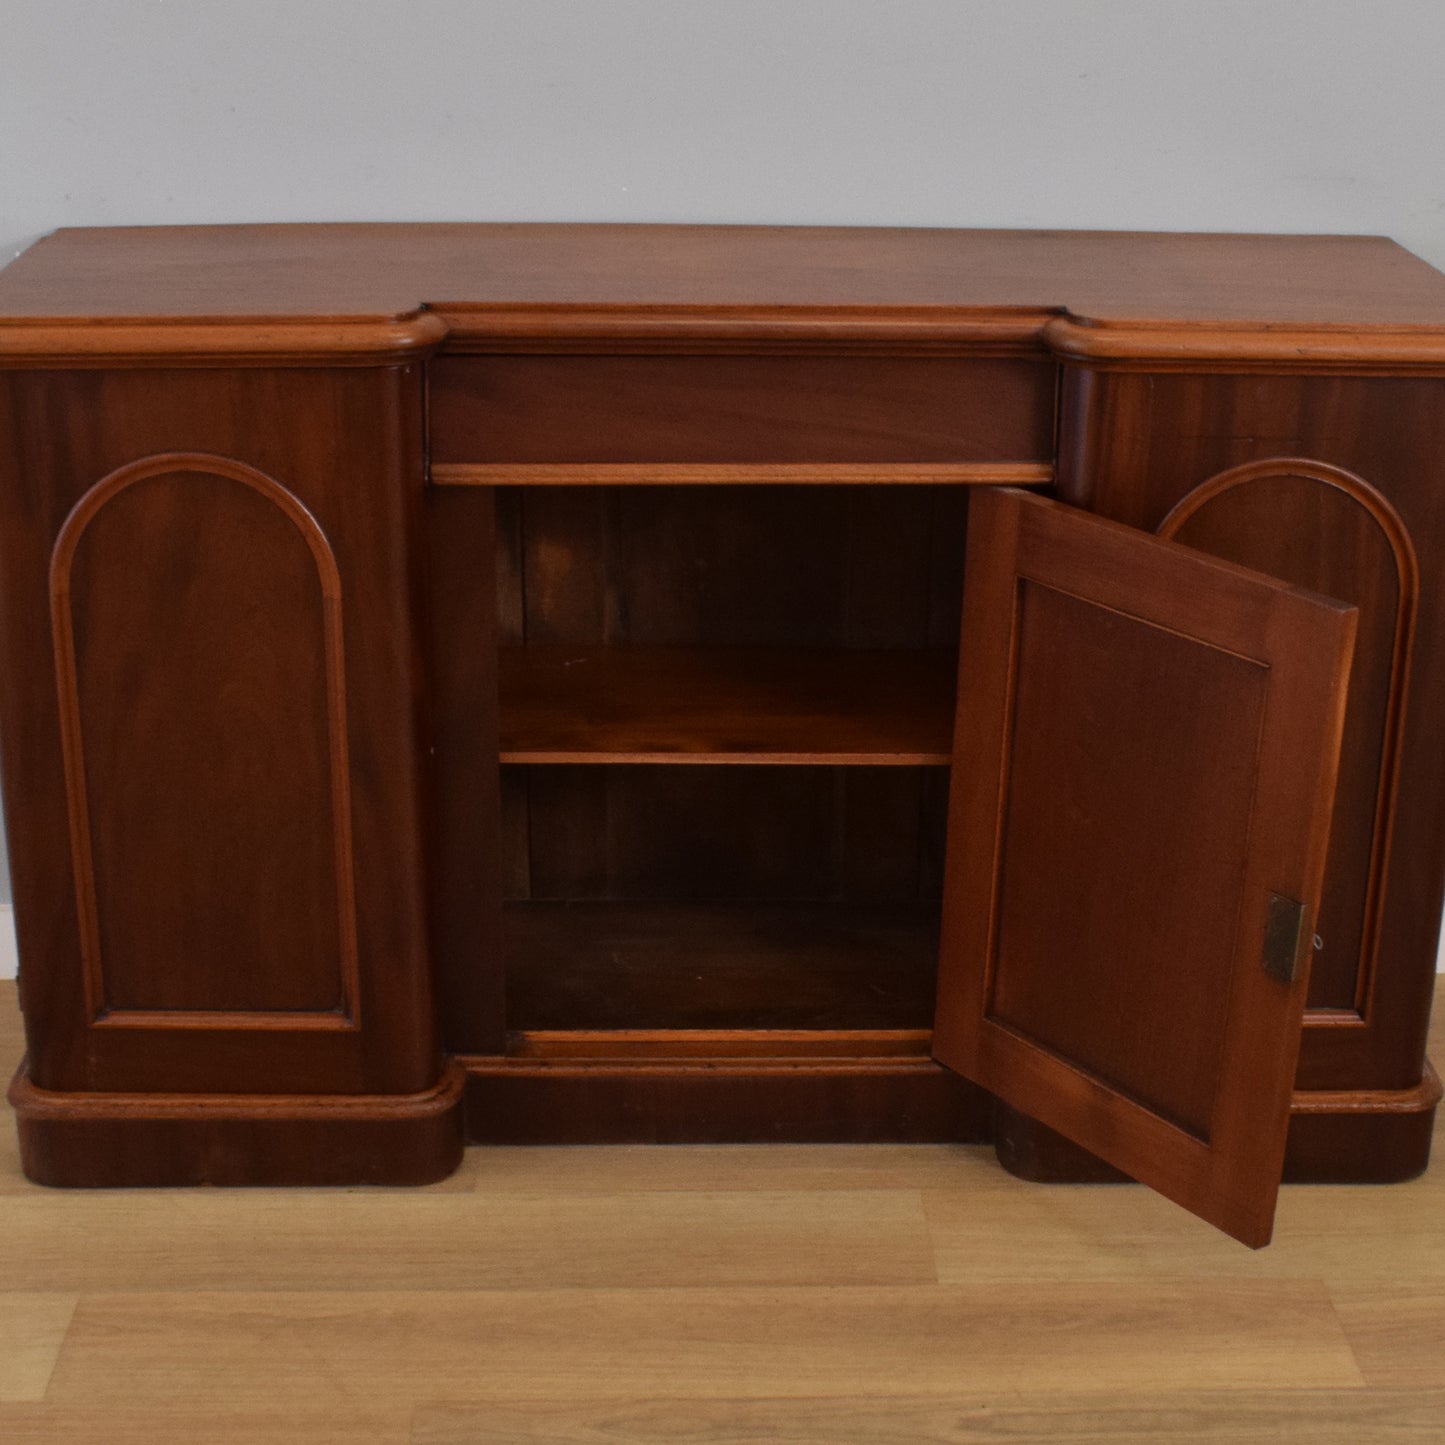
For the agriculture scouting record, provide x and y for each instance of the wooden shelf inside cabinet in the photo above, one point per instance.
(726, 705)
(673, 965)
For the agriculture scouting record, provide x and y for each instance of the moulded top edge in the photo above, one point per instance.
(390, 270)
(375, 289)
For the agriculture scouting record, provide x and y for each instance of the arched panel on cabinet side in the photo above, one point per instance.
(1326, 529)
(196, 617)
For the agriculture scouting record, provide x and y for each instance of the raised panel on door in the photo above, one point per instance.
(196, 617)
(1144, 765)
(215, 749)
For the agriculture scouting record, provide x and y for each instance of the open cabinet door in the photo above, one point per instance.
(1143, 770)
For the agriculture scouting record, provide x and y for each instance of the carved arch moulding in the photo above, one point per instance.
(1332, 531)
(209, 598)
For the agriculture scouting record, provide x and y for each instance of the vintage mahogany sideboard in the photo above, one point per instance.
(570, 683)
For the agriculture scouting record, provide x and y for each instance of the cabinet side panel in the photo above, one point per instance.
(1132, 447)
(248, 694)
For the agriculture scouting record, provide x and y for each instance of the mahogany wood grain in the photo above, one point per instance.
(1103, 928)
(703, 833)
(1349, 1136)
(787, 966)
(466, 864)
(231, 603)
(737, 474)
(722, 1100)
(854, 568)
(1030, 1150)
(380, 270)
(1359, 300)
(726, 705)
(740, 410)
(119, 1140)
(644, 1047)
(1092, 855)
(1330, 531)
(1340, 1137)
(1134, 449)
(732, 566)
(221, 694)
(216, 343)
(1323, 350)
(693, 438)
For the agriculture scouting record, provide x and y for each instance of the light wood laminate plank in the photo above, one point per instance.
(1334, 1232)
(1243, 1417)
(32, 1328)
(1396, 1330)
(150, 1240)
(12, 1030)
(184, 1423)
(1019, 1337)
(361, 1349)
(642, 1168)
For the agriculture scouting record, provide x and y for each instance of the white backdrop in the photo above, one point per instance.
(1264, 115)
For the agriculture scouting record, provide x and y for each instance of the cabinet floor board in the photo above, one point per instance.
(718, 966)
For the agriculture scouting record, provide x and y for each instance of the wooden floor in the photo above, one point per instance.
(832, 1294)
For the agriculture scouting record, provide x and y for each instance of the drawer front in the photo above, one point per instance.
(741, 410)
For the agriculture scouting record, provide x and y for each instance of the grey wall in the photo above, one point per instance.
(1269, 115)
(1237, 114)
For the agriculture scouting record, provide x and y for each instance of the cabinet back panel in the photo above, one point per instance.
(685, 832)
(759, 566)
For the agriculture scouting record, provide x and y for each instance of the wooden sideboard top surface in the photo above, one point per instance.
(362, 291)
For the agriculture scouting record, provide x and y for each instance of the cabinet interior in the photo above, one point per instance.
(726, 719)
